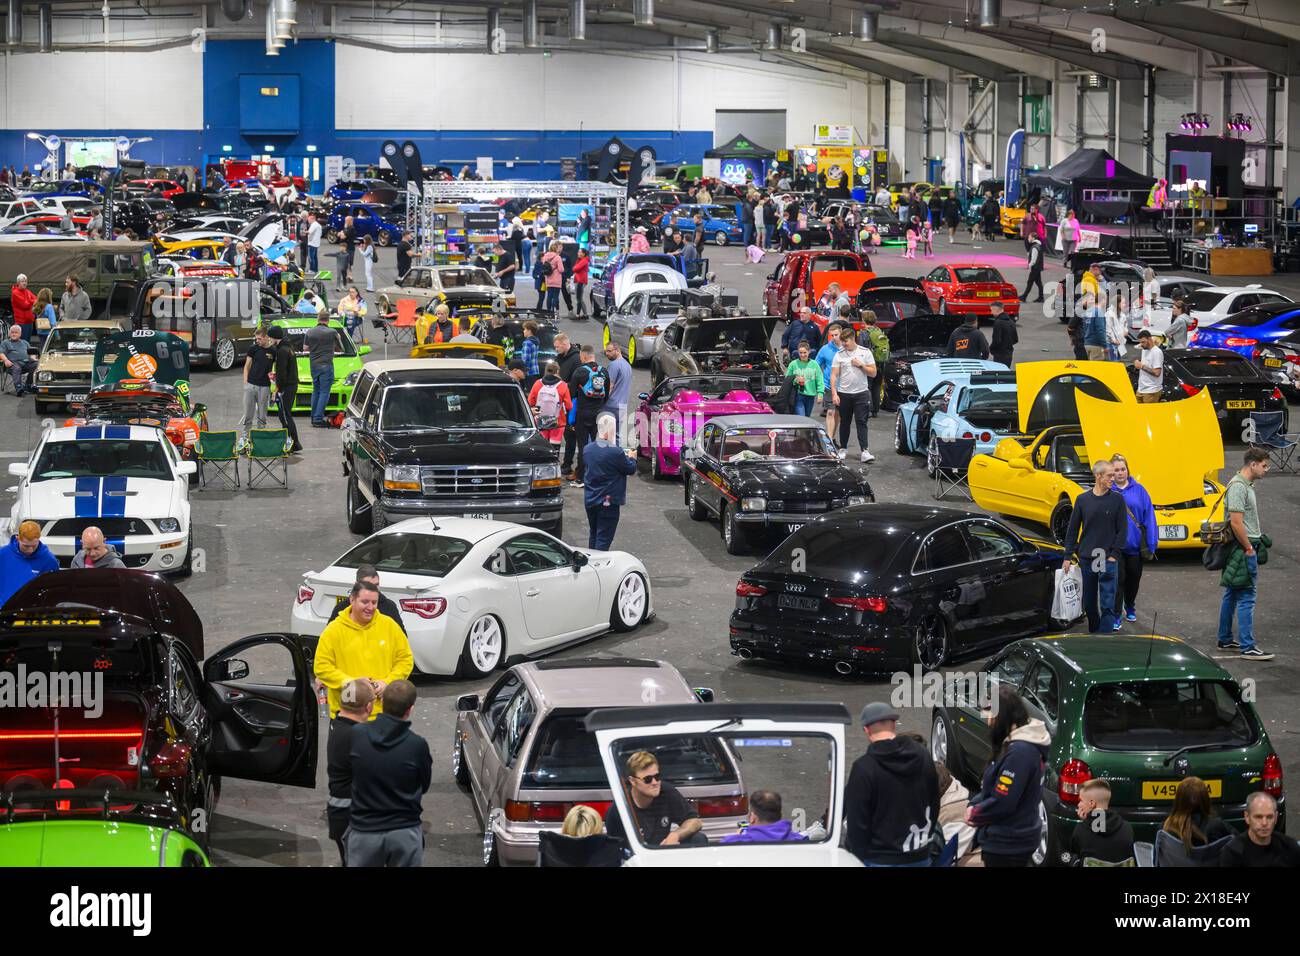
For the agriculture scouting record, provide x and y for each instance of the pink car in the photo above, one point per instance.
(670, 417)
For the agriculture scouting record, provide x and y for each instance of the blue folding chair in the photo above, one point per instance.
(1266, 428)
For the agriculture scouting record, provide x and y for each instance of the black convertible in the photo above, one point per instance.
(882, 587)
(917, 338)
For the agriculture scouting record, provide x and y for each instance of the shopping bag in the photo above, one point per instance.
(1067, 597)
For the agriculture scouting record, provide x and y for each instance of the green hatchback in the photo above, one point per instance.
(347, 364)
(1140, 712)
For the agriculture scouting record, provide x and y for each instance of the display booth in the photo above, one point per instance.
(1109, 185)
(742, 161)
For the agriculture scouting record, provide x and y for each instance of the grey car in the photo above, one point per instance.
(525, 756)
(636, 324)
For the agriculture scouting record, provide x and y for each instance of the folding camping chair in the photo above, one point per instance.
(218, 452)
(267, 450)
(402, 327)
(952, 461)
(1281, 447)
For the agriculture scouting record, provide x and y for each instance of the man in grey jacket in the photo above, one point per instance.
(15, 355)
(74, 305)
(95, 551)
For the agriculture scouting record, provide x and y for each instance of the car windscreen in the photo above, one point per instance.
(1254, 317)
(987, 401)
(707, 387)
(980, 274)
(342, 344)
(74, 338)
(728, 336)
(742, 444)
(95, 458)
(1202, 301)
(1165, 715)
(842, 552)
(408, 553)
(459, 278)
(921, 331)
(416, 407)
(1219, 366)
(879, 214)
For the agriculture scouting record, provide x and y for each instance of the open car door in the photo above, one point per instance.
(259, 698)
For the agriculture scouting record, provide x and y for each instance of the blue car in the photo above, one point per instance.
(1247, 330)
(721, 223)
(354, 190)
(368, 219)
(957, 398)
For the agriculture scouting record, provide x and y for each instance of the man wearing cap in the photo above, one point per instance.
(892, 797)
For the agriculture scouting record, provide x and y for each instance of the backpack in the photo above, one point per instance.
(879, 343)
(549, 406)
(596, 387)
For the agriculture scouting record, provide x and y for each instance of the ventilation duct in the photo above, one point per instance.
(532, 30)
(15, 23)
(773, 36)
(45, 27)
(286, 18)
(577, 19)
(235, 10)
(711, 41)
(493, 26)
(868, 26)
(272, 47)
(643, 13)
(990, 13)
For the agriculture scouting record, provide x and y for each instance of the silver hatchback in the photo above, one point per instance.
(526, 758)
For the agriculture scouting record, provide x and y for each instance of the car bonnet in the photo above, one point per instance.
(1170, 446)
(1031, 377)
(955, 370)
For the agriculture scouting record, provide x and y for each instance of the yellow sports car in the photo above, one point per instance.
(1081, 412)
(462, 350)
(205, 249)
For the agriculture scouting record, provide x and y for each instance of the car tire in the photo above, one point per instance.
(1060, 521)
(694, 507)
(224, 355)
(459, 769)
(187, 566)
(490, 856)
(632, 599)
(943, 745)
(900, 435)
(384, 238)
(931, 647)
(43, 408)
(331, 235)
(720, 238)
(378, 520)
(1048, 851)
(932, 456)
(485, 647)
(631, 350)
(604, 338)
(358, 520)
(733, 535)
(656, 469)
(558, 530)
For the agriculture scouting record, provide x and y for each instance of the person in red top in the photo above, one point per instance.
(550, 401)
(23, 299)
(580, 267)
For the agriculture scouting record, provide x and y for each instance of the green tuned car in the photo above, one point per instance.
(43, 829)
(1140, 712)
(347, 364)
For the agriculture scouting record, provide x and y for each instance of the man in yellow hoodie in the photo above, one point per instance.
(362, 644)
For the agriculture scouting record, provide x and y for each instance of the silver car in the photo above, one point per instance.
(526, 758)
(636, 324)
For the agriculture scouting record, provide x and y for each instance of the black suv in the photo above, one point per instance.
(452, 437)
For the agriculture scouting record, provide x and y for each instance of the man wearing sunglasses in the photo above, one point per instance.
(656, 807)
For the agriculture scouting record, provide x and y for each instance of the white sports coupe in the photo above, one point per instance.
(474, 594)
(127, 480)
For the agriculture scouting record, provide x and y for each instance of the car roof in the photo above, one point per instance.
(472, 530)
(971, 265)
(921, 518)
(104, 433)
(762, 421)
(610, 682)
(1126, 657)
(441, 368)
(1226, 289)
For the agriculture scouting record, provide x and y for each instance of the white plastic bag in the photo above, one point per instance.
(1067, 598)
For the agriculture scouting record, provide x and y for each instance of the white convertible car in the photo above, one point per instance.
(474, 594)
(127, 480)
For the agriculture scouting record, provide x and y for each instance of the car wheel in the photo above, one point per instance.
(459, 769)
(1047, 853)
(656, 468)
(384, 306)
(720, 238)
(485, 647)
(900, 435)
(630, 603)
(631, 350)
(733, 535)
(1060, 521)
(225, 355)
(932, 456)
(332, 235)
(187, 566)
(694, 507)
(930, 646)
(378, 520)
(604, 339)
(358, 520)
(943, 746)
(43, 407)
(385, 238)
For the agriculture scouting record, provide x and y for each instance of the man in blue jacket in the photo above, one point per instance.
(799, 329)
(605, 482)
(1140, 546)
(23, 559)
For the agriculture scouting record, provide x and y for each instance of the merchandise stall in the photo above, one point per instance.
(837, 163)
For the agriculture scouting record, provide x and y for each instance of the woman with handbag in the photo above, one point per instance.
(1139, 546)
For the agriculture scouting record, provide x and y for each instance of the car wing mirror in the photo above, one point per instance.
(1021, 464)
(703, 694)
(233, 669)
(467, 703)
(18, 469)
(187, 467)
(579, 560)
(644, 396)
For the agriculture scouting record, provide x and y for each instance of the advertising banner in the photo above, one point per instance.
(1015, 166)
(833, 134)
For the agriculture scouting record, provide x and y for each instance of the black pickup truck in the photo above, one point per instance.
(452, 437)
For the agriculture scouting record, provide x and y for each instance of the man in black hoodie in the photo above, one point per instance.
(567, 357)
(1102, 834)
(1095, 538)
(1005, 335)
(391, 772)
(285, 376)
(892, 796)
(967, 341)
(358, 700)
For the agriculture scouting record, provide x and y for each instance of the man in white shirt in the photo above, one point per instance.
(1150, 365)
(852, 370)
(313, 242)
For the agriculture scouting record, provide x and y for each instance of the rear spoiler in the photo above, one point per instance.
(154, 803)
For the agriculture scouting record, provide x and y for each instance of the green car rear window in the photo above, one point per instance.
(1165, 715)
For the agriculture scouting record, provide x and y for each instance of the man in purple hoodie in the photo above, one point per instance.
(24, 558)
(765, 822)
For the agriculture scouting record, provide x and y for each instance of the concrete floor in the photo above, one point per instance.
(259, 543)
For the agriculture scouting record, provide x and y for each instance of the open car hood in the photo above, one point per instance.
(1170, 446)
(1032, 377)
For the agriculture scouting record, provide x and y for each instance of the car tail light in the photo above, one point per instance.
(723, 806)
(650, 330)
(171, 760)
(967, 434)
(1273, 776)
(986, 436)
(518, 811)
(1190, 389)
(876, 605)
(1277, 395)
(745, 589)
(426, 608)
(305, 594)
(1236, 342)
(1074, 775)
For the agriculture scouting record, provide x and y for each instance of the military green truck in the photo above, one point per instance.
(97, 264)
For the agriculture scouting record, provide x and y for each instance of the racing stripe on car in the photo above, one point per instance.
(89, 432)
(87, 497)
(117, 432)
(112, 505)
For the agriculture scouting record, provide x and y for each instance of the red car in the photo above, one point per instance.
(163, 187)
(52, 222)
(969, 288)
(794, 274)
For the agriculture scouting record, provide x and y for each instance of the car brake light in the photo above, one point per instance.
(967, 434)
(650, 330)
(1277, 394)
(1235, 342)
(745, 589)
(305, 594)
(723, 806)
(171, 760)
(1074, 775)
(518, 811)
(986, 436)
(1273, 776)
(874, 604)
(1190, 389)
(427, 608)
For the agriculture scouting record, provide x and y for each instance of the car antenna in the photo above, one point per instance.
(433, 521)
(1151, 642)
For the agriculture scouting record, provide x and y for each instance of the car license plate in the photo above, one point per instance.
(1241, 403)
(798, 603)
(341, 599)
(478, 514)
(1173, 533)
(792, 528)
(1165, 789)
(1273, 363)
(77, 397)
(987, 295)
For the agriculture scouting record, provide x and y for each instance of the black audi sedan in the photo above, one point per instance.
(1236, 385)
(881, 587)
